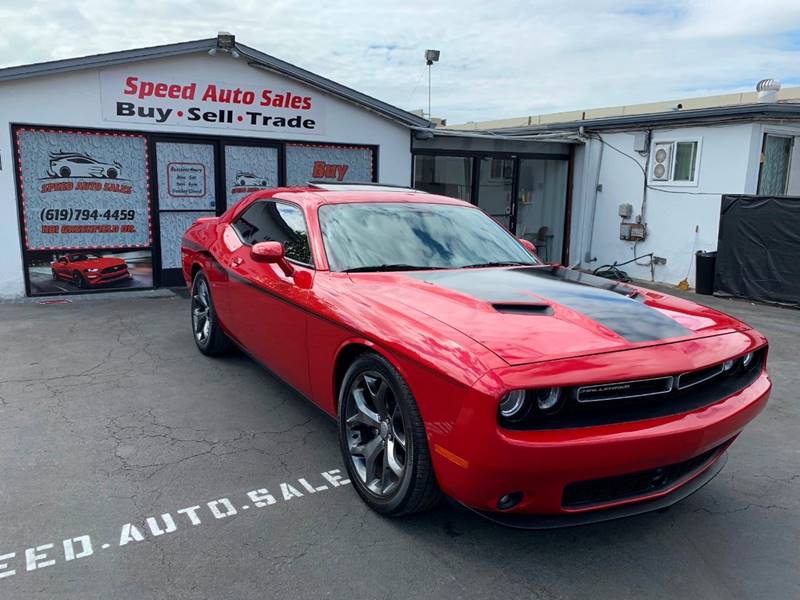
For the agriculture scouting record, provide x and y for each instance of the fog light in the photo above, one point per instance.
(747, 360)
(547, 400)
(727, 366)
(509, 500)
(512, 404)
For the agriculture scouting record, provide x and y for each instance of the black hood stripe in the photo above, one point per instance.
(604, 301)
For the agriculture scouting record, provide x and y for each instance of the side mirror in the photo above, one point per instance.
(528, 245)
(271, 252)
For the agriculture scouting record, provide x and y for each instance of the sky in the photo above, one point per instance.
(499, 59)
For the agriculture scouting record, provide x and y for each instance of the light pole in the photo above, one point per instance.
(431, 56)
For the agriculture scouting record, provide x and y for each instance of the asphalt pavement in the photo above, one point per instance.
(133, 467)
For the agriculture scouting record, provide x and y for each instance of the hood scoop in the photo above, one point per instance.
(523, 308)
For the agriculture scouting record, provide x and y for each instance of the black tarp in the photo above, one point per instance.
(758, 253)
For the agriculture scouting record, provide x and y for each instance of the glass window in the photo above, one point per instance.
(394, 236)
(497, 181)
(685, 154)
(269, 221)
(444, 175)
(542, 205)
(775, 161)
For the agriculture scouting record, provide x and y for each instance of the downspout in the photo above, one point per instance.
(589, 231)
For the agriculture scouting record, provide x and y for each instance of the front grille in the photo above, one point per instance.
(113, 269)
(624, 389)
(635, 400)
(583, 494)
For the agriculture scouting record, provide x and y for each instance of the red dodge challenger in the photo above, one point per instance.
(85, 269)
(456, 362)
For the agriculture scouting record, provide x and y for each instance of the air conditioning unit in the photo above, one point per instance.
(662, 162)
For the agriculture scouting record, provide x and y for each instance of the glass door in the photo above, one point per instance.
(495, 189)
(186, 177)
(542, 205)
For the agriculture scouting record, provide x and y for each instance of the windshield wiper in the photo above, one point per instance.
(390, 267)
(509, 263)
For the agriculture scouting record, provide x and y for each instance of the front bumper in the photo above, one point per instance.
(101, 278)
(478, 462)
(531, 521)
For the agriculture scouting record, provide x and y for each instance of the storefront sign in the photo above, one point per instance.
(186, 180)
(305, 162)
(132, 98)
(83, 189)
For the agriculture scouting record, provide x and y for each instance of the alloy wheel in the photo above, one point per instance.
(201, 312)
(376, 433)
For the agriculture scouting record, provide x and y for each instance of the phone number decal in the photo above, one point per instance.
(85, 214)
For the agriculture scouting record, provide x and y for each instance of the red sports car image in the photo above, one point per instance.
(87, 270)
(458, 363)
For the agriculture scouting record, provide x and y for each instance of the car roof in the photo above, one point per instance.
(314, 195)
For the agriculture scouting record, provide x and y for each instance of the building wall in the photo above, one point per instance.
(680, 220)
(74, 99)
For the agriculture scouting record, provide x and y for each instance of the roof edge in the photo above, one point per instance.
(255, 58)
(735, 113)
(271, 63)
(105, 59)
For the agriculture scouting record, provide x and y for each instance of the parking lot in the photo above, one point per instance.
(109, 416)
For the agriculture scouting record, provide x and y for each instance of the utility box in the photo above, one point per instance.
(625, 210)
(632, 232)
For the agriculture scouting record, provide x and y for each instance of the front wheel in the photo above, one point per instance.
(208, 334)
(382, 439)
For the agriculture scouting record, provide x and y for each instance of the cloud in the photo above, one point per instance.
(499, 59)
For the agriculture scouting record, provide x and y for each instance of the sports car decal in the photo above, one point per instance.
(76, 164)
(608, 303)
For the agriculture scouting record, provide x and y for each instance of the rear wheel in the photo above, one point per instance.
(208, 335)
(382, 439)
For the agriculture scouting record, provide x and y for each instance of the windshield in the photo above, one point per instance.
(375, 236)
(82, 257)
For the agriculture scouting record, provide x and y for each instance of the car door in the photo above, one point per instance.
(61, 266)
(268, 309)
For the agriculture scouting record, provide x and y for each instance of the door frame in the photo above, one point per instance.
(172, 276)
(477, 156)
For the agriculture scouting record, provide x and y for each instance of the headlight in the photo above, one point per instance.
(92, 270)
(548, 400)
(512, 404)
(747, 360)
(728, 365)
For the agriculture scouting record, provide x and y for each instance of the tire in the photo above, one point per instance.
(241, 182)
(112, 173)
(55, 275)
(399, 438)
(64, 172)
(206, 331)
(78, 280)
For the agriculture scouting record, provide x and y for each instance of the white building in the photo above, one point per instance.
(114, 155)
(664, 166)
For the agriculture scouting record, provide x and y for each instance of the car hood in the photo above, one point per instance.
(98, 263)
(532, 314)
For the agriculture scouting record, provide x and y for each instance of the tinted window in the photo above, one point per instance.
(359, 236)
(268, 221)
